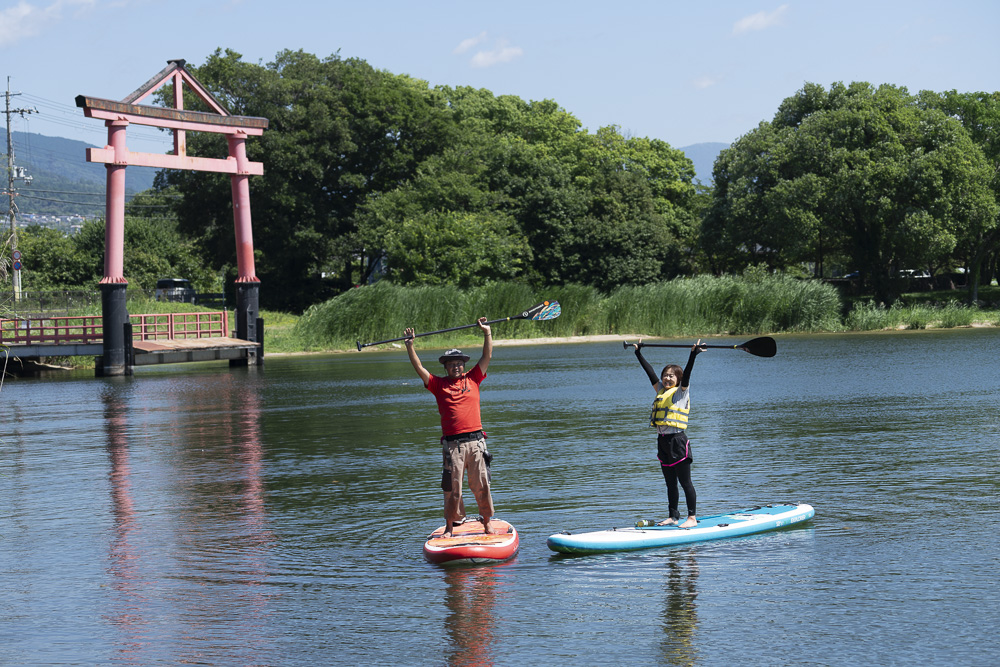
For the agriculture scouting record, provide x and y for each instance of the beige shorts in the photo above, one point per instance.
(461, 457)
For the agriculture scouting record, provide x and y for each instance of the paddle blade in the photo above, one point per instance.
(760, 347)
(546, 310)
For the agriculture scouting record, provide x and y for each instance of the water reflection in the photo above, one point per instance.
(680, 613)
(216, 530)
(470, 596)
(128, 617)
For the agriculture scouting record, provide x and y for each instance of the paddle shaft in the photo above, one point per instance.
(431, 333)
(760, 347)
(546, 310)
(721, 347)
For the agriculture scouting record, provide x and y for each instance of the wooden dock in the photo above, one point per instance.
(150, 352)
(169, 338)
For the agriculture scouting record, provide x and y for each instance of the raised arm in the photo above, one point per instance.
(645, 364)
(696, 349)
(414, 359)
(484, 361)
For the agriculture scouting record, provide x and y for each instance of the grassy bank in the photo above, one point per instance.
(700, 306)
(697, 306)
(868, 316)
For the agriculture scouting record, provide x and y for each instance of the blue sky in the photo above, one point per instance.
(685, 72)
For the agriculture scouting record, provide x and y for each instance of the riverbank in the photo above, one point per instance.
(470, 343)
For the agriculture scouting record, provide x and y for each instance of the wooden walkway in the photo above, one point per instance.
(149, 352)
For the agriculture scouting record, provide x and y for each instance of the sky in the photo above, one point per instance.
(685, 72)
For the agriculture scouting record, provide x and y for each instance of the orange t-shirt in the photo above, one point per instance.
(458, 401)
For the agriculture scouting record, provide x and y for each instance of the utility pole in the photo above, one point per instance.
(14, 174)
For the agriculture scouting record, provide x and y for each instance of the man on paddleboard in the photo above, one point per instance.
(463, 443)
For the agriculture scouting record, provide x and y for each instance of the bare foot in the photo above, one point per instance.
(488, 529)
(668, 522)
(691, 522)
(446, 533)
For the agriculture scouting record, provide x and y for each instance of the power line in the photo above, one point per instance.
(94, 194)
(90, 204)
(70, 116)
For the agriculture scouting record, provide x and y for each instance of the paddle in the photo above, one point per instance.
(760, 347)
(546, 310)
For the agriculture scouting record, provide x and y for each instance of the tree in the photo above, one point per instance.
(861, 172)
(356, 159)
(51, 260)
(154, 249)
(339, 132)
(595, 209)
(979, 114)
(434, 249)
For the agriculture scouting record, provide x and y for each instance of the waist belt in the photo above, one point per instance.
(471, 435)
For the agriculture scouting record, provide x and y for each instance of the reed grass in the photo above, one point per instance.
(868, 316)
(725, 305)
(697, 306)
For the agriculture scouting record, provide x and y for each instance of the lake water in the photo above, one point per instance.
(275, 516)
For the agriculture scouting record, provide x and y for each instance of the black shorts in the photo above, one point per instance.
(672, 448)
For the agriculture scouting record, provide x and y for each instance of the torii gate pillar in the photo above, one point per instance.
(247, 283)
(116, 156)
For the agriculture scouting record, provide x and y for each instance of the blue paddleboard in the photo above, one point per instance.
(733, 524)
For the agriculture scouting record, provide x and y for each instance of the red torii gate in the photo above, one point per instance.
(117, 116)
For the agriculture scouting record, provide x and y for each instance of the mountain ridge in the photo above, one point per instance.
(703, 155)
(62, 181)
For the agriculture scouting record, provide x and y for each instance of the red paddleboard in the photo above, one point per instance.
(469, 543)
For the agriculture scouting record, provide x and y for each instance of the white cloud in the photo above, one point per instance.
(495, 51)
(705, 81)
(27, 20)
(759, 21)
(501, 54)
(467, 44)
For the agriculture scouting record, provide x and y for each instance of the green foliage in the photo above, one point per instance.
(153, 249)
(730, 304)
(869, 177)
(869, 316)
(464, 249)
(697, 306)
(382, 311)
(600, 210)
(979, 240)
(444, 185)
(51, 260)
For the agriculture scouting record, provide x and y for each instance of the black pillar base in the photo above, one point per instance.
(249, 325)
(114, 316)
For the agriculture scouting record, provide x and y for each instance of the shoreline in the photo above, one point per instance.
(618, 338)
(596, 338)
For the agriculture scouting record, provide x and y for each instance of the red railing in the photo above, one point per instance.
(89, 328)
(173, 326)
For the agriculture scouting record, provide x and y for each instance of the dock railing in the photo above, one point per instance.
(89, 328)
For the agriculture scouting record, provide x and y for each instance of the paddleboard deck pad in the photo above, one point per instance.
(732, 524)
(469, 543)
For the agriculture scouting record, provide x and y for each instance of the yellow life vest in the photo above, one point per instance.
(666, 413)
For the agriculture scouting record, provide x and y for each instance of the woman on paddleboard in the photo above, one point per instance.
(670, 417)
